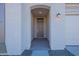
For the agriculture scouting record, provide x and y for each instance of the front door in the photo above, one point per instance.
(40, 27)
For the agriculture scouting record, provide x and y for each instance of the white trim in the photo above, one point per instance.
(40, 6)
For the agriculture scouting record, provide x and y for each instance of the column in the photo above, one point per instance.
(57, 27)
(13, 28)
(26, 26)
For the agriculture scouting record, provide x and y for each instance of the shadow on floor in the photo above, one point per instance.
(27, 53)
(40, 47)
(73, 49)
(2, 48)
(40, 44)
(64, 52)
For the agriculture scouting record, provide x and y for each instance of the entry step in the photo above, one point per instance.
(40, 53)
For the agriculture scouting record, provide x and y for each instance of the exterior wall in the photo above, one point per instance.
(36, 4)
(72, 24)
(72, 30)
(26, 27)
(57, 27)
(23, 29)
(2, 13)
(13, 28)
(18, 28)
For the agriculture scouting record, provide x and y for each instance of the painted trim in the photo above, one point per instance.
(72, 14)
(72, 45)
(40, 6)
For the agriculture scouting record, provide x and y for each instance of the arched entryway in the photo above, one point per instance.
(40, 27)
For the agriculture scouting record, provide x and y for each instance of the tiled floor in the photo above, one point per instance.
(64, 52)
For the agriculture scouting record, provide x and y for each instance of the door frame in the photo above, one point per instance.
(37, 29)
(43, 26)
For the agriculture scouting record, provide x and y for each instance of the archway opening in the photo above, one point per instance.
(40, 27)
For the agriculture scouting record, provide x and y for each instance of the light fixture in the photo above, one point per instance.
(58, 14)
(40, 12)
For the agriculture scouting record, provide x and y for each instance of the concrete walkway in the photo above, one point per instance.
(2, 48)
(40, 44)
(40, 47)
(74, 49)
(40, 53)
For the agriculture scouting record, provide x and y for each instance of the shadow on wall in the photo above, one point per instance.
(2, 35)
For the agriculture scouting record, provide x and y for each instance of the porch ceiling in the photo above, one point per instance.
(40, 12)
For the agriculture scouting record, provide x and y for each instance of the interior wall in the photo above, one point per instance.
(72, 29)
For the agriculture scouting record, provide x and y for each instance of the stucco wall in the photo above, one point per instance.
(26, 27)
(2, 40)
(57, 27)
(23, 29)
(18, 30)
(72, 30)
(13, 28)
(57, 30)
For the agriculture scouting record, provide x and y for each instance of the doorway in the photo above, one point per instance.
(40, 27)
(40, 31)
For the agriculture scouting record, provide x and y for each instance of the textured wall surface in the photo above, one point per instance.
(72, 30)
(2, 23)
(57, 27)
(13, 28)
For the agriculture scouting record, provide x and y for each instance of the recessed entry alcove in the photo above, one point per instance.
(37, 28)
(40, 27)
